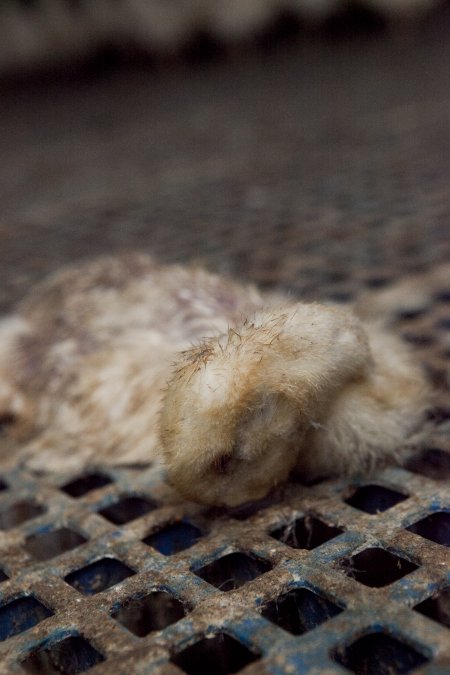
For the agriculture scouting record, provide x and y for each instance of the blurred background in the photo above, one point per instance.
(300, 144)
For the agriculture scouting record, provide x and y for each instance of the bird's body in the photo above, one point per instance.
(123, 360)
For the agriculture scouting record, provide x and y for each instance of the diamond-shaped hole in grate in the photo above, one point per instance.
(376, 567)
(435, 527)
(233, 570)
(439, 414)
(375, 498)
(127, 509)
(69, 656)
(153, 612)
(419, 339)
(3, 485)
(410, 314)
(99, 576)
(377, 653)
(432, 462)
(443, 295)
(300, 610)
(45, 545)
(3, 576)
(20, 614)
(437, 607)
(220, 655)
(340, 296)
(18, 513)
(307, 532)
(437, 375)
(174, 538)
(81, 486)
(249, 509)
(378, 281)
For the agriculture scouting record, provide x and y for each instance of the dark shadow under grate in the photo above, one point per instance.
(376, 567)
(127, 509)
(307, 532)
(21, 614)
(300, 610)
(233, 570)
(19, 513)
(378, 653)
(153, 612)
(220, 655)
(174, 538)
(69, 656)
(435, 527)
(81, 486)
(46, 545)
(375, 498)
(99, 576)
(437, 607)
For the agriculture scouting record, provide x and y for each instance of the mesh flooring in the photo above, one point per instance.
(111, 572)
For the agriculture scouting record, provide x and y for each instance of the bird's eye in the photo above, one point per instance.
(222, 464)
(7, 420)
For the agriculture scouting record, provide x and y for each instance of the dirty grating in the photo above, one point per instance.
(109, 572)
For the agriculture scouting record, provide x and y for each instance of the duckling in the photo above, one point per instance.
(125, 360)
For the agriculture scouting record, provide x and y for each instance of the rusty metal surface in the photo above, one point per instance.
(111, 572)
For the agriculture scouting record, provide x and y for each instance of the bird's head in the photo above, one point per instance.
(238, 407)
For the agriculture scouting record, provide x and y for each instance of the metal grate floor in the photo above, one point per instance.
(110, 572)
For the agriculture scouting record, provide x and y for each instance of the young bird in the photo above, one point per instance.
(123, 360)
